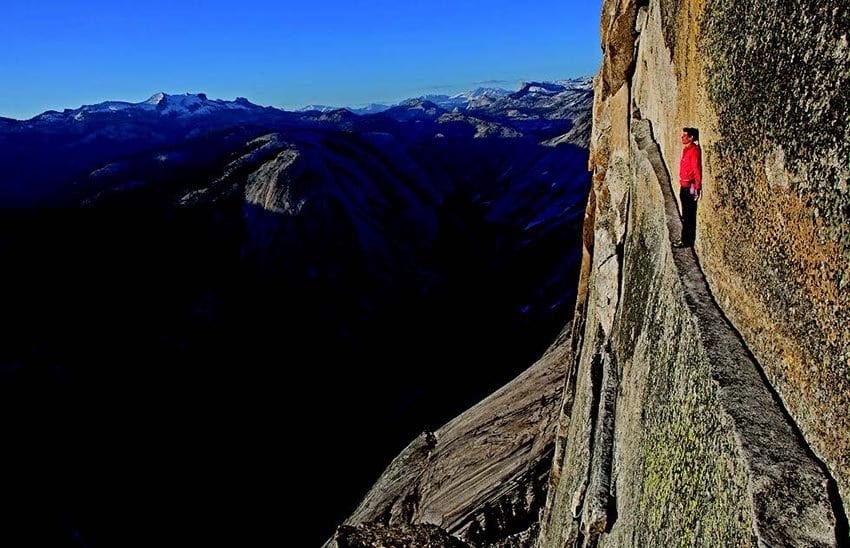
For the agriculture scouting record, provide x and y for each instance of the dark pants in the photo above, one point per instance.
(689, 216)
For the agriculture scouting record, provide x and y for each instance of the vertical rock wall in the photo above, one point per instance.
(775, 228)
(706, 401)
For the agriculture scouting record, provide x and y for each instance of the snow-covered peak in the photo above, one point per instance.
(583, 83)
(194, 104)
(176, 104)
(418, 103)
(50, 116)
(317, 108)
(180, 106)
(155, 99)
(480, 92)
(540, 87)
(371, 108)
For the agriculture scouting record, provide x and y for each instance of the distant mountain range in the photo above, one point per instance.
(461, 100)
(160, 103)
(478, 97)
(189, 104)
(82, 141)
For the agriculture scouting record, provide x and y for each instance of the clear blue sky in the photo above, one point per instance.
(285, 53)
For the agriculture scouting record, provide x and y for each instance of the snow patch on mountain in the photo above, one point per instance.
(585, 83)
(191, 104)
(481, 92)
(317, 108)
(372, 108)
(181, 106)
(155, 99)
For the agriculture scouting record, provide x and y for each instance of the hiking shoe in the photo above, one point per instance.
(678, 244)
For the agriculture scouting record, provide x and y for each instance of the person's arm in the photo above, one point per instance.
(698, 168)
(697, 171)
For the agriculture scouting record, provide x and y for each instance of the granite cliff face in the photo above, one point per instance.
(707, 403)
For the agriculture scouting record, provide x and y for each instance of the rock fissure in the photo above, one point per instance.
(597, 516)
(596, 374)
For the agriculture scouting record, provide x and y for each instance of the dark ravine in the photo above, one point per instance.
(201, 270)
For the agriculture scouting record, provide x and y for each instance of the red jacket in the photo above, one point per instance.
(690, 168)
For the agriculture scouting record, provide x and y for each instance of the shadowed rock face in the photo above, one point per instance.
(377, 536)
(245, 304)
(482, 476)
(705, 397)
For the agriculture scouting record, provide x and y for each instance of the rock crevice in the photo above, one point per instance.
(789, 487)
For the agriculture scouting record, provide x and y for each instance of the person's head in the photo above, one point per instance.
(690, 135)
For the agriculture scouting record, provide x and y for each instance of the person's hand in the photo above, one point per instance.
(697, 194)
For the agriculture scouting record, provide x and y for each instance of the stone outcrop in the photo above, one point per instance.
(380, 536)
(481, 477)
(707, 397)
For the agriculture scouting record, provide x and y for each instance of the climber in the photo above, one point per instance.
(690, 185)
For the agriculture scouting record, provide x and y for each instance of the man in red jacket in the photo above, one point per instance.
(690, 184)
